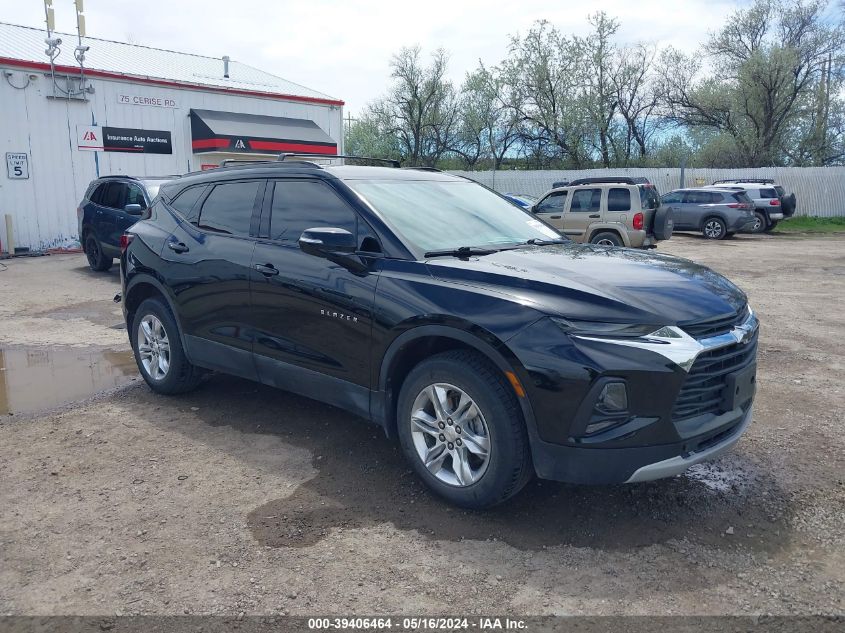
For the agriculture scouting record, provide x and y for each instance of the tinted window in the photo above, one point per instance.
(768, 193)
(649, 198)
(586, 200)
(553, 203)
(304, 204)
(134, 195)
(619, 199)
(185, 201)
(228, 208)
(672, 198)
(781, 191)
(741, 196)
(113, 195)
(97, 194)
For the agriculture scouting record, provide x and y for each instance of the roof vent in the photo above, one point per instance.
(226, 66)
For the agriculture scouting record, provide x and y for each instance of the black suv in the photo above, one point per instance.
(111, 205)
(490, 345)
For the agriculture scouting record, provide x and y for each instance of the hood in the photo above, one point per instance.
(598, 283)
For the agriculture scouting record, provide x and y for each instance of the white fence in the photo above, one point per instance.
(819, 191)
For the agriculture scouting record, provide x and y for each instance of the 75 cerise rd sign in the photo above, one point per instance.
(146, 100)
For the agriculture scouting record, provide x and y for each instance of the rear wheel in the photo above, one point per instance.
(606, 238)
(460, 427)
(97, 260)
(759, 222)
(714, 229)
(158, 350)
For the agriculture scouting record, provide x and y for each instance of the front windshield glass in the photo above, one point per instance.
(438, 215)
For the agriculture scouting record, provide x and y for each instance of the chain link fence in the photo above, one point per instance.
(819, 191)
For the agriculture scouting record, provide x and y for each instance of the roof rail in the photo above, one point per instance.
(242, 161)
(128, 177)
(762, 181)
(425, 169)
(600, 180)
(311, 157)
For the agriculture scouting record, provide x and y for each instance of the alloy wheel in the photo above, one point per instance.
(153, 347)
(605, 242)
(713, 229)
(450, 434)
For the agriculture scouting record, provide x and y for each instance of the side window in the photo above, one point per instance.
(672, 198)
(696, 197)
(619, 199)
(114, 195)
(185, 202)
(97, 194)
(304, 204)
(134, 195)
(768, 193)
(553, 203)
(585, 200)
(228, 208)
(715, 197)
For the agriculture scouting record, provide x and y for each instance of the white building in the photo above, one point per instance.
(135, 110)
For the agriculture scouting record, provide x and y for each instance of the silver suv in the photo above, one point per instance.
(608, 211)
(768, 209)
(716, 213)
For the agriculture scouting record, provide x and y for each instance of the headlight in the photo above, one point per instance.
(610, 330)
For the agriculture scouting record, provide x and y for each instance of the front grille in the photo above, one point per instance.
(712, 327)
(703, 389)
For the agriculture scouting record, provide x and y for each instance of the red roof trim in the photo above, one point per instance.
(164, 82)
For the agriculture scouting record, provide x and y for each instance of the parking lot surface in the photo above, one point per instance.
(240, 498)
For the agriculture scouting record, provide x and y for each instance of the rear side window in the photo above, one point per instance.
(304, 204)
(228, 208)
(619, 199)
(114, 195)
(185, 201)
(768, 193)
(741, 196)
(781, 191)
(586, 200)
(714, 197)
(553, 203)
(97, 193)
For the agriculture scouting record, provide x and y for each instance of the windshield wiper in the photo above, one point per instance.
(536, 241)
(462, 251)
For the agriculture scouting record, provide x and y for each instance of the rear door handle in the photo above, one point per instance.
(595, 215)
(177, 247)
(268, 270)
(554, 217)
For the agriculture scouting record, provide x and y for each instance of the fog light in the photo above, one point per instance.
(613, 398)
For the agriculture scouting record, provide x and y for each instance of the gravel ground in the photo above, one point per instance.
(240, 498)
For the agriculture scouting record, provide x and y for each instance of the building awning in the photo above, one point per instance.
(213, 131)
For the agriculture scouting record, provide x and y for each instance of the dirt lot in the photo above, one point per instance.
(238, 498)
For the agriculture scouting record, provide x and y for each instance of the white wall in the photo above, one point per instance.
(44, 207)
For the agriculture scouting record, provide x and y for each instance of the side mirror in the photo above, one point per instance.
(336, 245)
(323, 242)
(134, 209)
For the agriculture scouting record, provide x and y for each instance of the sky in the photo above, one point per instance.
(343, 48)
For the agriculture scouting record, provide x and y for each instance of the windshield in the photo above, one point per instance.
(438, 215)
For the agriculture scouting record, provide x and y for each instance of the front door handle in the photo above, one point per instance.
(595, 215)
(177, 247)
(554, 217)
(268, 270)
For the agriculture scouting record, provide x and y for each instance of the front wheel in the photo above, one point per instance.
(158, 350)
(461, 428)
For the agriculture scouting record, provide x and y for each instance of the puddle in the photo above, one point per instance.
(32, 379)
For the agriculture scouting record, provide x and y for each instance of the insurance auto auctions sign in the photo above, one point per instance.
(96, 138)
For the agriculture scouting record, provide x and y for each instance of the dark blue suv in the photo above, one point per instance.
(111, 205)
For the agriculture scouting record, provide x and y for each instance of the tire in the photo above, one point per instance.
(713, 228)
(175, 374)
(97, 260)
(663, 223)
(606, 238)
(771, 226)
(468, 377)
(760, 225)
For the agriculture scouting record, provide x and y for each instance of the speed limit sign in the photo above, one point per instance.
(17, 165)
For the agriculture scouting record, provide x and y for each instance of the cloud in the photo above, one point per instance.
(343, 48)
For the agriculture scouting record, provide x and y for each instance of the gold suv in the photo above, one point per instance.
(608, 211)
